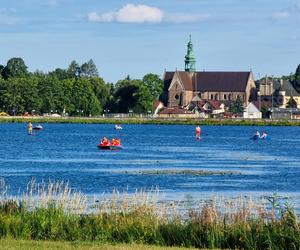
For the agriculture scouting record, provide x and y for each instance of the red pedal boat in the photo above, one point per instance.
(105, 144)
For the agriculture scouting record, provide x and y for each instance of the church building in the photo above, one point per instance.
(184, 87)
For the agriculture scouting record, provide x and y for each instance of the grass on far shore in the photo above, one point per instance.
(150, 120)
(9, 244)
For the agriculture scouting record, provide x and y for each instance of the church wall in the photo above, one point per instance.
(250, 89)
(187, 97)
(176, 93)
(222, 96)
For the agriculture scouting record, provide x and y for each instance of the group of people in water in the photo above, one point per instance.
(256, 136)
(262, 136)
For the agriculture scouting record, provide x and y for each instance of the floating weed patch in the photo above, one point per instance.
(181, 172)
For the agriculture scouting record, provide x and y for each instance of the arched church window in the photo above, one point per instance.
(216, 96)
(225, 97)
(177, 97)
(229, 97)
(211, 96)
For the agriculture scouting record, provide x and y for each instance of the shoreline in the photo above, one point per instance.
(150, 120)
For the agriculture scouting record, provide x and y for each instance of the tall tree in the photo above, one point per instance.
(291, 103)
(89, 69)
(154, 85)
(125, 95)
(297, 79)
(59, 73)
(236, 106)
(73, 69)
(15, 67)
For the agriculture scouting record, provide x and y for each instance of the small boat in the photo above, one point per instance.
(118, 127)
(38, 127)
(107, 145)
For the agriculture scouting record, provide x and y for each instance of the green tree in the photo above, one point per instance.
(297, 79)
(154, 85)
(51, 92)
(236, 106)
(1, 70)
(73, 69)
(84, 99)
(59, 73)
(126, 95)
(101, 89)
(265, 112)
(15, 67)
(89, 69)
(291, 103)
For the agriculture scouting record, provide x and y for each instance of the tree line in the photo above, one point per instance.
(76, 90)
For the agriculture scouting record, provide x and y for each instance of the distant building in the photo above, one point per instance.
(276, 93)
(182, 87)
(252, 111)
(286, 113)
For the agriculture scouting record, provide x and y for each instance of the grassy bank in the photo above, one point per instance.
(167, 121)
(54, 212)
(9, 244)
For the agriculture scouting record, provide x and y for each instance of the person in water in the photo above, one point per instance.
(256, 135)
(198, 132)
(30, 128)
(264, 135)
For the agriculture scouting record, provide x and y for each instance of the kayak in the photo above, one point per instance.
(109, 147)
(38, 127)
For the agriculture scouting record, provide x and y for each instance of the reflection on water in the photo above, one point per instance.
(69, 152)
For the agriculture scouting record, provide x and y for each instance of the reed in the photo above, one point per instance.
(54, 211)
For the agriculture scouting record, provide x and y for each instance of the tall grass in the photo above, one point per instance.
(53, 211)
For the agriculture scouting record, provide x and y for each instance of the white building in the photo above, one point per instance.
(252, 112)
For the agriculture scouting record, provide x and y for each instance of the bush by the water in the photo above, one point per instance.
(53, 211)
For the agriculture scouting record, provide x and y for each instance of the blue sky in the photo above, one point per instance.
(138, 37)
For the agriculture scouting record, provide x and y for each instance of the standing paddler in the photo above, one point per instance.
(198, 132)
(30, 128)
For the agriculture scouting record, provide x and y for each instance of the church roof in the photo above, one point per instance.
(186, 78)
(211, 81)
(168, 79)
(222, 81)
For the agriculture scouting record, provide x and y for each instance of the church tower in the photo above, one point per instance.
(190, 60)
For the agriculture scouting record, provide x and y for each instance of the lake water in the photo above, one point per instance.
(69, 152)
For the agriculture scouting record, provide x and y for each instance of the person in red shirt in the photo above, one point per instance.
(198, 132)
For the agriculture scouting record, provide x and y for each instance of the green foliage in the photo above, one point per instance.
(265, 112)
(297, 79)
(77, 90)
(291, 103)
(15, 67)
(88, 69)
(154, 85)
(236, 106)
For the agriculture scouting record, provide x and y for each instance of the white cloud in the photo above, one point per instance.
(130, 13)
(281, 15)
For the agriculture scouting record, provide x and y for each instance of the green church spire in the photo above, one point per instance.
(190, 60)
